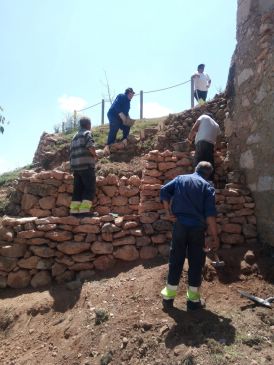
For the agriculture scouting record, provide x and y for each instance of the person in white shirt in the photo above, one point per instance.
(206, 131)
(201, 84)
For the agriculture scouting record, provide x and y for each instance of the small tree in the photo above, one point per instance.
(2, 121)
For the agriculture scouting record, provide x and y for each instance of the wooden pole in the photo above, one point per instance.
(141, 103)
(74, 118)
(192, 92)
(103, 112)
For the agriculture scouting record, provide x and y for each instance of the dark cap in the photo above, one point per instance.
(129, 90)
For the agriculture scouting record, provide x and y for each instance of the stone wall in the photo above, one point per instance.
(50, 245)
(250, 127)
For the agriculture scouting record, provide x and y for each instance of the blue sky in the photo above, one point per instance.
(54, 55)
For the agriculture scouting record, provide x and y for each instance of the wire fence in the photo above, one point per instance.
(141, 95)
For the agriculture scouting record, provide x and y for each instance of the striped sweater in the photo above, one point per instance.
(80, 156)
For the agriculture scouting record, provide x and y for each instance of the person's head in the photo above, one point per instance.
(85, 123)
(201, 67)
(129, 93)
(209, 114)
(204, 169)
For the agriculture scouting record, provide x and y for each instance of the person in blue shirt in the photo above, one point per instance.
(119, 118)
(191, 199)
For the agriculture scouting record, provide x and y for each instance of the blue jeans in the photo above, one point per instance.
(84, 184)
(114, 125)
(186, 241)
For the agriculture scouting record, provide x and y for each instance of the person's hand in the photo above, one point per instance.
(213, 244)
(169, 215)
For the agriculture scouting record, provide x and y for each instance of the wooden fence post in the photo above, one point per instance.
(74, 119)
(103, 112)
(192, 92)
(141, 103)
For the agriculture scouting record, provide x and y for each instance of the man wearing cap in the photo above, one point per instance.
(201, 84)
(119, 118)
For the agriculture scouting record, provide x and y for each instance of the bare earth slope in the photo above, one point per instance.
(58, 326)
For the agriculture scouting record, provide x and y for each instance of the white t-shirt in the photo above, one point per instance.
(201, 81)
(208, 129)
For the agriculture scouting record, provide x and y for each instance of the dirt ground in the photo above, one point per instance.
(119, 320)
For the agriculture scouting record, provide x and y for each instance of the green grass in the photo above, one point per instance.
(100, 133)
(8, 177)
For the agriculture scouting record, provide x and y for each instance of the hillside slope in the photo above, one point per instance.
(58, 326)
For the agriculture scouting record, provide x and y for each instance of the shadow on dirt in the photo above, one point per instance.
(64, 299)
(195, 329)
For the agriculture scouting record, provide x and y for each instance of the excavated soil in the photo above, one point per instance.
(119, 320)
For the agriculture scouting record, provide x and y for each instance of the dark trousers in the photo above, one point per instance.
(198, 94)
(186, 241)
(114, 125)
(204, 151)
(84, 185)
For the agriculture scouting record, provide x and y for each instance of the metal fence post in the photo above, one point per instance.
(141, 103)
(192, 92)
(103, 112)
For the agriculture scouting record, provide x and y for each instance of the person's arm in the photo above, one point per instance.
(210, 213)
(90, 144)
(92, 151)
(167, 208)
(208, 81)
(194, 130)
(166, 195)
(213, 231)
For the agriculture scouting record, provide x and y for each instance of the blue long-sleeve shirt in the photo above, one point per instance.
(192, 199)
(121, 104)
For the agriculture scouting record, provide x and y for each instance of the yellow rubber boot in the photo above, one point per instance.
(85, 206)
(74, 207)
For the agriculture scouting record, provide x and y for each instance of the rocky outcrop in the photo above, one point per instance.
(52, 150)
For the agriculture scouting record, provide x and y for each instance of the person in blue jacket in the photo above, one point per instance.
(119, 118)
(191, 199)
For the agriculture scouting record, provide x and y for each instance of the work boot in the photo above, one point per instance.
(85, 208)
(168, 293)
(194, 300)
(167, 304)
(192, 306)
(74, 208)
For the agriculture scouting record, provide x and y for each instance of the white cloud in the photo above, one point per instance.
(6, 165)
(153, 110)
(71, 103)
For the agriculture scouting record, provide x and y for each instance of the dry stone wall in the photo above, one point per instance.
(250, 127)
(46, 244)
